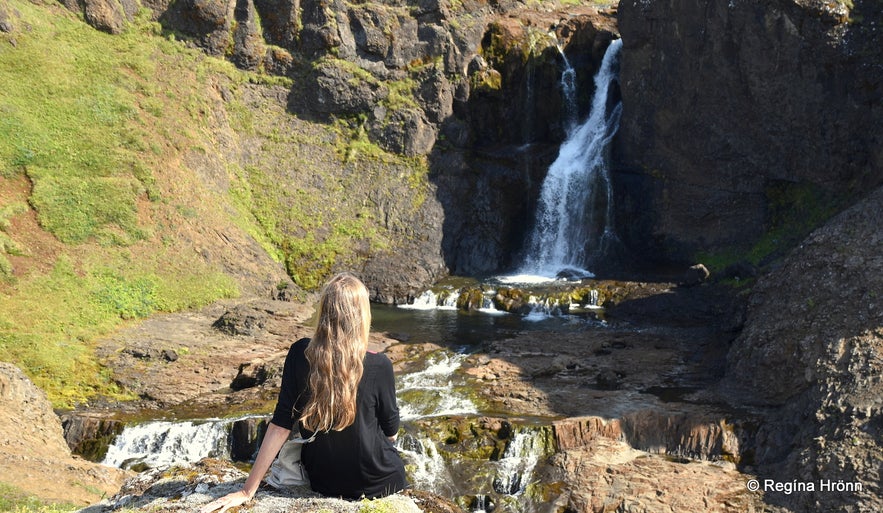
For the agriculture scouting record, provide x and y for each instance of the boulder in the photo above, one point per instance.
(319, 33)
(188, 488)
(208, 22)
(248, 42)
(245, 438)
(340, 88)
(404, 131)
(245, 319)
(109, 15)
(33, 450)
(257, 373)
(8, 17)
(279, 20)
(435, 95)
(89, 434)
(610, 476)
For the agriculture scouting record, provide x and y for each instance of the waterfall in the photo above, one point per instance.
(515, 468)
(427, 469)
(574, 213)
(168, 443)
(429, 300)
(430, 392)
(568, 89)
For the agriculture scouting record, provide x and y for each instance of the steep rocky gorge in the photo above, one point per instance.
(740, 119)
(737, 115)
(471, 86)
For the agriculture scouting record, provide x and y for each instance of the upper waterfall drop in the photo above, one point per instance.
(574, 218)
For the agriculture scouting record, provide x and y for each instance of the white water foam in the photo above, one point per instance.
(430, 300)
(515, 468)
(427, 469)
(435, 382)
(169, 443)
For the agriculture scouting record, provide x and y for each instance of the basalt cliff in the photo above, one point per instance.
(742, 122)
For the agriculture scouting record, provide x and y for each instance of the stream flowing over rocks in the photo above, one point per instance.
(674, 402)
(608, 406)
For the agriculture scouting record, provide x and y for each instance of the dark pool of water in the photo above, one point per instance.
(459, 329)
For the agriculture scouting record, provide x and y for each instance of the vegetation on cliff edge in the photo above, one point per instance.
(93, 194)
(122, 160)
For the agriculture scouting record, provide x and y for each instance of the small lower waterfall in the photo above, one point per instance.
(156, 444)
(515, 468)
(427, 469)
(430, 300)
(429, 398)
(430, 392)
(575, 210)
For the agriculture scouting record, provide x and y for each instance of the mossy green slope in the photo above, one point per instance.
(122, 158)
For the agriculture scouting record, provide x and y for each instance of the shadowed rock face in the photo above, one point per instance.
(726, 101)
(811, 348)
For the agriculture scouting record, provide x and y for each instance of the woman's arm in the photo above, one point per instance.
(387, 407)
(273, 440)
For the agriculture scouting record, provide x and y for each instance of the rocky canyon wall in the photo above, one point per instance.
(736, 114)
(733, 106)
(810, 355)
(472, 86)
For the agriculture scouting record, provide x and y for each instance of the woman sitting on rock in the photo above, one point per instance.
(333, 388)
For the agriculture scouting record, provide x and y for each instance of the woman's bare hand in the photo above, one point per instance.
(273, 440)
(226, 502)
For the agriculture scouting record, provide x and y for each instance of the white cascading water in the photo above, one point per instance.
(428, 392)
(162, 443)
(169, 443)
(427, 469)
(577, 189)
(434, 385)
(577, 176)
(515, 468)
(568, 88)
(429, 300)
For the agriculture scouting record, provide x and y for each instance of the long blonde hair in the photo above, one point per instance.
(336, 354)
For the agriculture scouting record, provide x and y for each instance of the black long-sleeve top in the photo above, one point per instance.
(359, 461)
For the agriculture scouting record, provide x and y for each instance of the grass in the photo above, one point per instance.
(67, 109)
(13, 500)
(50, 324)
(794, 210)
(326, 217)
(94, 123)
(7, 245)
(96, 129)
